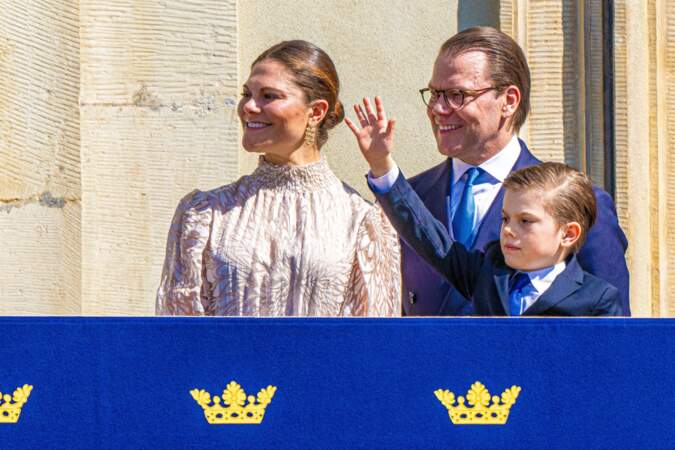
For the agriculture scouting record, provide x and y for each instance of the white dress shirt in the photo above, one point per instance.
(487, 187)
(540, 281)
(484, 191)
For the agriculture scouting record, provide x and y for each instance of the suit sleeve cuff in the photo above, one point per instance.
(383, 184)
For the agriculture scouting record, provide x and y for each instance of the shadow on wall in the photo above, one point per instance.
(571, 95)
(472, 13)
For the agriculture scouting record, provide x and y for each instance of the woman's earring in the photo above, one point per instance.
(310, 134)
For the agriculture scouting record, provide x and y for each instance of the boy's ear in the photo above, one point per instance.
(571, 234)
(317, 111)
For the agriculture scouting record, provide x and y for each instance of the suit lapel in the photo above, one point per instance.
(434, 190)
(502, 275)
(526, 158)
(565, 284)
(431, 178)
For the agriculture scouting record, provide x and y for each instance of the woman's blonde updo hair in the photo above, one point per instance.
(314, 73)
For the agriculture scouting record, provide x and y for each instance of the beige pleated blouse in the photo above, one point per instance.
(283, 241)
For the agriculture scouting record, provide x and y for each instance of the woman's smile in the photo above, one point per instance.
(253, 126)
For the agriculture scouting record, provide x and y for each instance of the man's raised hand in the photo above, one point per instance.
(375, 137)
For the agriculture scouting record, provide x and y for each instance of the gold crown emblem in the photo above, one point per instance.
(11, 405)
(236, 411)
(481, 412)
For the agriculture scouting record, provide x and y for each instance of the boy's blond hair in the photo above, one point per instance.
(567, 194)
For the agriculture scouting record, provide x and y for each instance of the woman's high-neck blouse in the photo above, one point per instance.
(283, 241)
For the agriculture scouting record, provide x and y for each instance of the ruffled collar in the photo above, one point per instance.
(311, 176)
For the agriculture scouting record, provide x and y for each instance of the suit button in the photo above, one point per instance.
(412, 297)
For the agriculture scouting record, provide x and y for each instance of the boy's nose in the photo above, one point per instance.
(506, 231)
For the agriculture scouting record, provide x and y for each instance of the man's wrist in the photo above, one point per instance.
(383, 184)
(383, 167)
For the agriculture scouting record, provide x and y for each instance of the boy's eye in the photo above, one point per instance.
(270, 96)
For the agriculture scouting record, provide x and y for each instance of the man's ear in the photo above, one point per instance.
(571, 232)
(512, 98)
(317, 111)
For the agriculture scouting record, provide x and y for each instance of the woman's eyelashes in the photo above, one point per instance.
(266, 95)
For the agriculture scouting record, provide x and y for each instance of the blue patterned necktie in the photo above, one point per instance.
(518, 283)
(462, 221)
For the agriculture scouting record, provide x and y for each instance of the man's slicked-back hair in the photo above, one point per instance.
(568, 194)
(506, 62)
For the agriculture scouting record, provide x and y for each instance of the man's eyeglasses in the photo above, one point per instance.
(454, 98)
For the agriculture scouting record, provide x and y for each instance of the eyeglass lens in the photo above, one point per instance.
(453, 99)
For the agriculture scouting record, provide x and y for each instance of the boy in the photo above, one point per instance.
(532, 270)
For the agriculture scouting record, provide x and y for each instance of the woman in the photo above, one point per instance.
(290, 239)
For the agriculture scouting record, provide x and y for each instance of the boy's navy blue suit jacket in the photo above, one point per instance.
(483, 276)
(429, 294)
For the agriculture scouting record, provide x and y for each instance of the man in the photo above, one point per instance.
(477, 100)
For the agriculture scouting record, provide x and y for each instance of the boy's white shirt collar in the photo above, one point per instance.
(543, 278)
(499, 166)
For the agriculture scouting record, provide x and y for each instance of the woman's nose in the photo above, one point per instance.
(249, 105)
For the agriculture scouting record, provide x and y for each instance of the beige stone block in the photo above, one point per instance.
(666, 128)
(158, 53)
(39, 273)
(137, 164)
(379, 47)
(633, 149)
(39, 84)
(552, 51)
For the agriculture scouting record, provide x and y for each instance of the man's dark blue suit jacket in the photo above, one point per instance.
(429, 294)
(484, 276)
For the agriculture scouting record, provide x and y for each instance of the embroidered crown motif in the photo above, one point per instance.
(236, 410)
(11, 405)
(481, 412)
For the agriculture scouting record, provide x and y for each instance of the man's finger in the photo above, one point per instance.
(361, 116)
(390, 128)
(381, 115)
(371, 115)
(352, 126)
